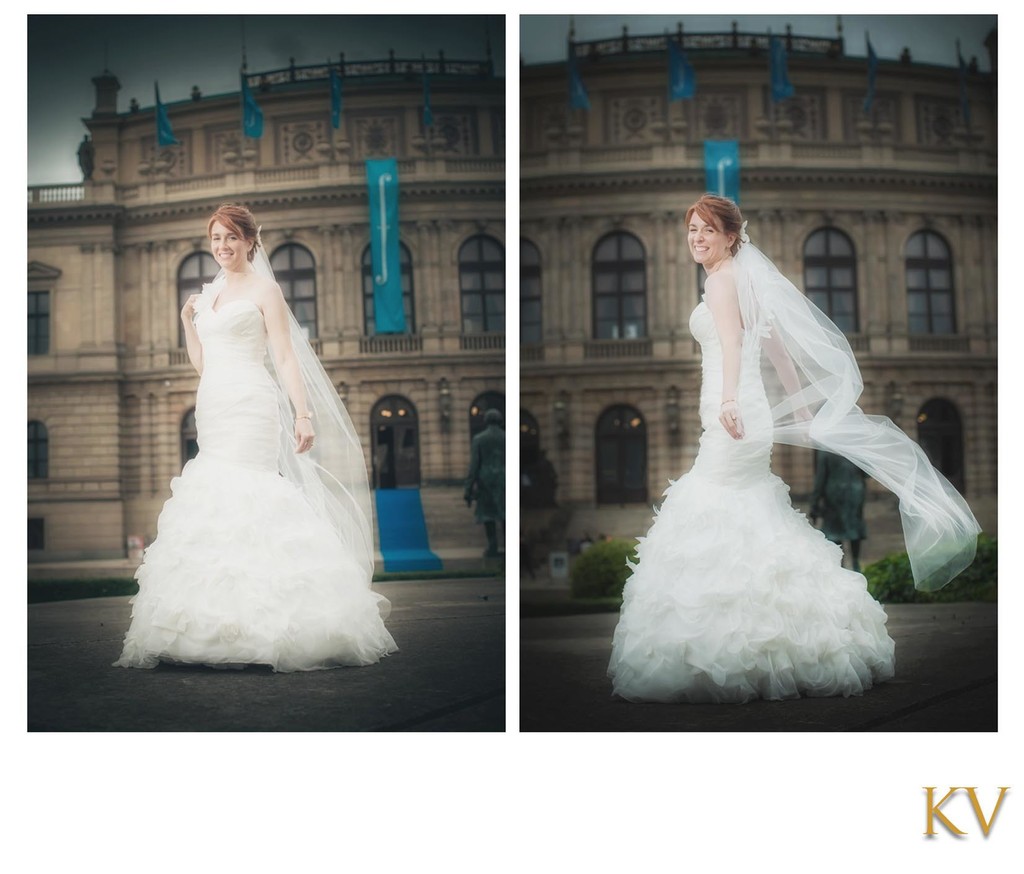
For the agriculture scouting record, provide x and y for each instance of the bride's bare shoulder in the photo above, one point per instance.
(720, 283)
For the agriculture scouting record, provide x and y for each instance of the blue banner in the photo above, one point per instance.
(869, 98)
(428, 113)
(682, 84)
(252, 115)
(965, 107)
(164, 134)
(388, 311)
(578, 97)
(335, 99)
(722, 168)
(781, 86)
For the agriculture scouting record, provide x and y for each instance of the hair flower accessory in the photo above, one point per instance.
(259, 239)
(743, 233)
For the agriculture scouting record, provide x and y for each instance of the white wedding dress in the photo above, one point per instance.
(243, 569)
(734, 595)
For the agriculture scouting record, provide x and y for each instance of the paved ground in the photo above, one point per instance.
(945, 681)
(448, 676)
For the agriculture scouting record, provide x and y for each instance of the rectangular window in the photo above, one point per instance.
(36, 529)
(38, 323)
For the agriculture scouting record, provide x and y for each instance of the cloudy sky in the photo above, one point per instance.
(931, 38)
(66, 51)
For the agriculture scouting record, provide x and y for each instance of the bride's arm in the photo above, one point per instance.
(720, 294)
(193, 345)
(275, 314)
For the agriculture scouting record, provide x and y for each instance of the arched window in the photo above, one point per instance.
(929, 285)
(529, 439)
(38, 451)
(295, 272)
(538, 481)
(38, 322)
(408, 302)
(195, 271)
(396, 447)
(189, 436)
(530, 323)
(941, 436)
(482, 285)
(620, 288)
(621, 438)
(830, 277)
(481, 404)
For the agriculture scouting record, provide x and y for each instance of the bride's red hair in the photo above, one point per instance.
(239, 221)
(721, 213)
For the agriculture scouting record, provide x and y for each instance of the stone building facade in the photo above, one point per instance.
(111, 260)
(887, 219)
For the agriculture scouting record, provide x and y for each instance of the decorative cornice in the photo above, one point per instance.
(670, 179)
(205, 205)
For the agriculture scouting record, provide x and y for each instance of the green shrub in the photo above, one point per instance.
(891, 582)
(601, 571)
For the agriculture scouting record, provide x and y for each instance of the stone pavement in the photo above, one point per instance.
(448, 676)
(946, 658)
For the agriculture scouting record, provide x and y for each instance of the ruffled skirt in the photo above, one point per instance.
(243, 571)
(735, 596)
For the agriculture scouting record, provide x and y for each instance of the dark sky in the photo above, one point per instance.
(66, 51)
(931, 38)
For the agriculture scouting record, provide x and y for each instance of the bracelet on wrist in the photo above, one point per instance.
(304, 416)
(730, 401)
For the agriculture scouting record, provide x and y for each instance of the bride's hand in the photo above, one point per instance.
(729, 416)
(188, 311)
(304, 435)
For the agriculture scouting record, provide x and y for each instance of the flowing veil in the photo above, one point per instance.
(813, 385)
(331, 475)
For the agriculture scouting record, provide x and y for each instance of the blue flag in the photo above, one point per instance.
(252, 115)
(578, 97)
(388, 310)
(965, 107)
(164, 134)
(869, 98)
(781, 86)
(722, 168)
(682, 84)
(335, 99)
(428, 113)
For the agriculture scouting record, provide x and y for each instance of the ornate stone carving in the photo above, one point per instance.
(884, 115)
(377, 135)
(937, 121)
(805, 111)
(455, 132)
(720, 115)
(297, 141)
(636, 119)
(172, 162)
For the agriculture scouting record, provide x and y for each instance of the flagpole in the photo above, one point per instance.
(771, 96)
(330, 111)
(241, 101)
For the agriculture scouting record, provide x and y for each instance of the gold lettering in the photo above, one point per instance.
(985, 826)
(933, 811)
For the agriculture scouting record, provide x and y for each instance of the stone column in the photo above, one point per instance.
(87, 291)
(328, 286)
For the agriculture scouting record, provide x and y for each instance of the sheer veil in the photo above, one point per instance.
(332, 475)
(813, 385)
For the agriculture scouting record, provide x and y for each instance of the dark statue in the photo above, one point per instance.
(486, 479)
(838, 497)
(86, 157)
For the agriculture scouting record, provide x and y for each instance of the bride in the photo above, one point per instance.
(264, 552)
(734, 596)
